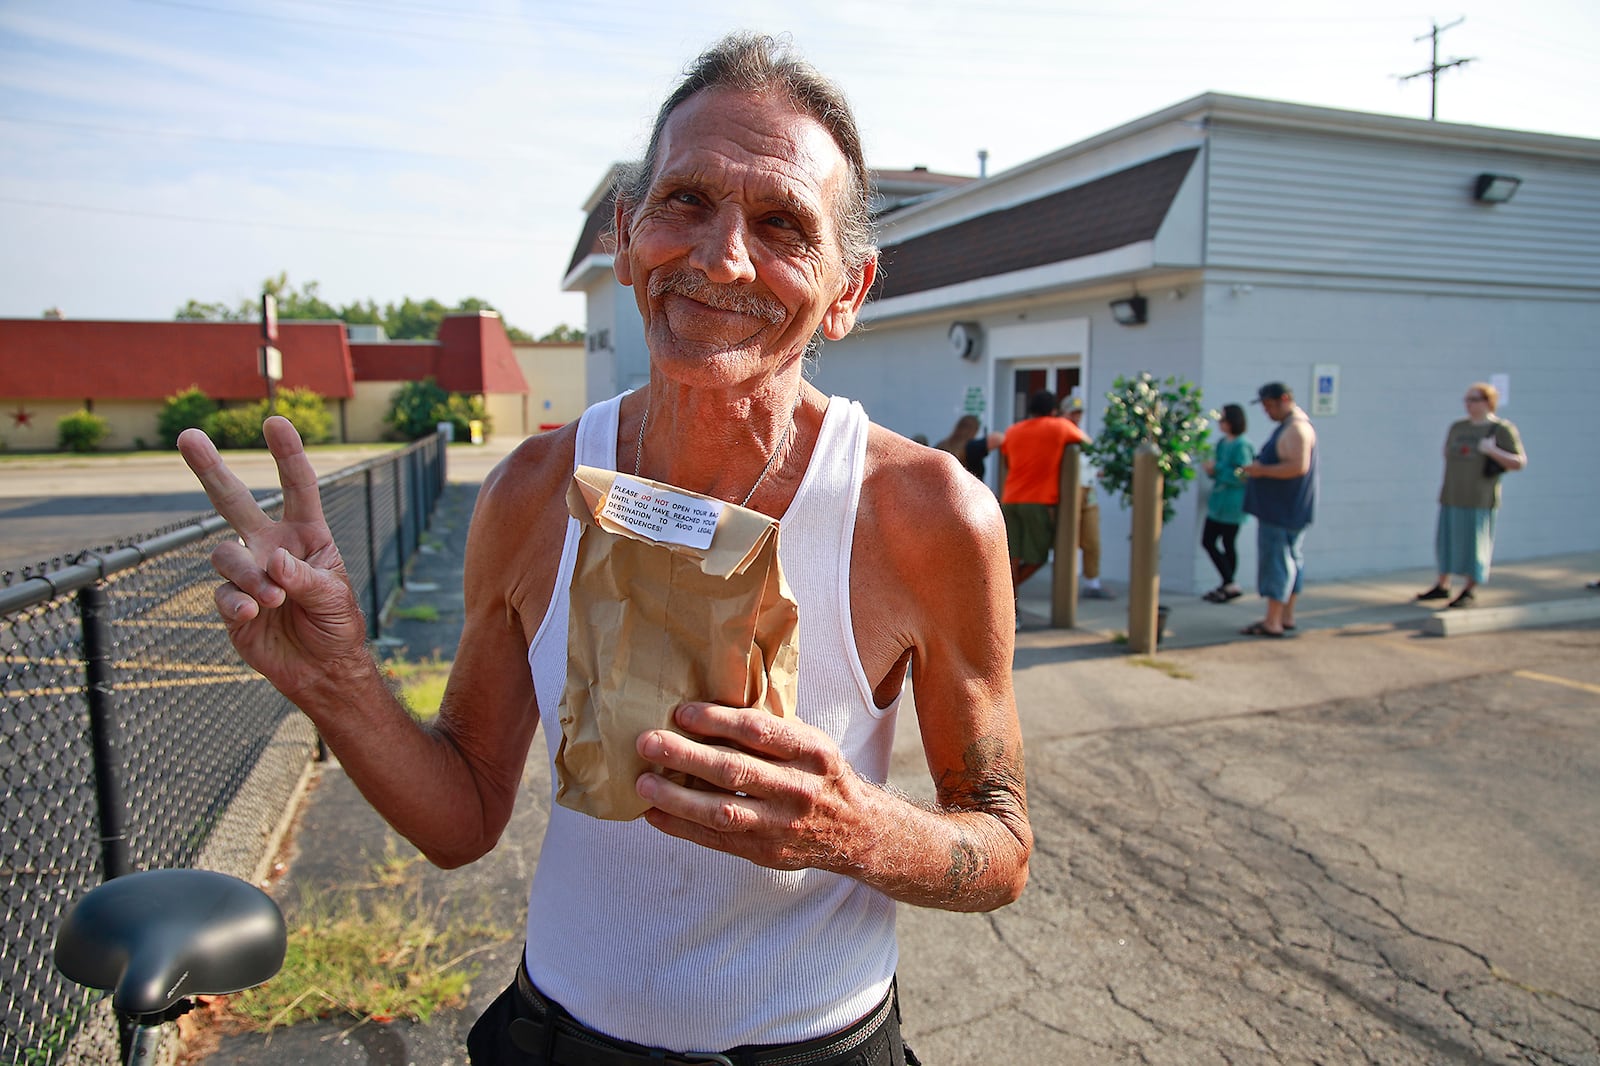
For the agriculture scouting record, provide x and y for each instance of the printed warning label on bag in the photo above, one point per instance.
(668, 517)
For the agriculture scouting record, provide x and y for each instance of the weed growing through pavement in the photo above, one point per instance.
(422, 612)
(1166, 666)
(420, 684)
(375, 952)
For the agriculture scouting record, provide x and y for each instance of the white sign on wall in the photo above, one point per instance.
(1325, 389)
(1502, 385)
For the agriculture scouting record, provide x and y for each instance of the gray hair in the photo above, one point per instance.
(757, 63)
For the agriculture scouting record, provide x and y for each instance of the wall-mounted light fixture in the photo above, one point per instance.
(1134, 311)
(1495, 188)
(965, 340)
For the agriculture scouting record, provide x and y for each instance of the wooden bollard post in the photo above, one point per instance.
(1064, 578)
(1144, 580)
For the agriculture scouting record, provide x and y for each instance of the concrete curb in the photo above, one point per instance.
(1489, 619)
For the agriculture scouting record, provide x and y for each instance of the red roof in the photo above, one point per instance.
(56, 359)
(395, 360)
(64, 359)
(472, 355)
(478, 356)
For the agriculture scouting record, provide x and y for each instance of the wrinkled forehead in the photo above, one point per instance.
(758, 143)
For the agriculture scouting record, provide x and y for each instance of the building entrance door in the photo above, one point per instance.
(1060, 378)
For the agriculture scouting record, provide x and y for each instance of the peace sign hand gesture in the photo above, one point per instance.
(287, 601)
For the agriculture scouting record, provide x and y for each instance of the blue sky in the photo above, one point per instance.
(157, 150)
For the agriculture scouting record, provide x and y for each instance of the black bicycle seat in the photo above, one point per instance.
(153, 939)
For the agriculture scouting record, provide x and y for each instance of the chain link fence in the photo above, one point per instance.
(132, 736)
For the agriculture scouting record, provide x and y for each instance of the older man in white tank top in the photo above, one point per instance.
(750, 919)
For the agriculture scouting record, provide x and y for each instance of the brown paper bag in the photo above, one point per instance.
(675, 596)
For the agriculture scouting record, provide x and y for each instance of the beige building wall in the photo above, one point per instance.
(363, 413)
(555, 377)
(130, 424)
(505, 414)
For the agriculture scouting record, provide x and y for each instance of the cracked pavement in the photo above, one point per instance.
(1370, 849)
(1350, 847)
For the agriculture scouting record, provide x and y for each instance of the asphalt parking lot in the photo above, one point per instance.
(1363, 845)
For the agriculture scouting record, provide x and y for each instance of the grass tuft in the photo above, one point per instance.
(1166, 666)
(420, 684)
(374, 956)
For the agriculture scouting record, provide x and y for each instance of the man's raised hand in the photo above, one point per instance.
(286, 600)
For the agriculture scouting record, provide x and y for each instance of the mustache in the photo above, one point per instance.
(697, 286)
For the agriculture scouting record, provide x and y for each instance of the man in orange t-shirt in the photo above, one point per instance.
(1032, 488)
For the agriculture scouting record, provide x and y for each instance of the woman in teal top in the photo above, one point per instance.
(1225, 511)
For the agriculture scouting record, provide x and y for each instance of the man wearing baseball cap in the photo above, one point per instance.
(1281, 491)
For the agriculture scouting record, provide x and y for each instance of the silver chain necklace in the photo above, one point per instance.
(638, 449)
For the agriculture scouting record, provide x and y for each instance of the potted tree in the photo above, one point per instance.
(1168, 415)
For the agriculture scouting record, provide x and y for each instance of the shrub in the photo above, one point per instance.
(418, 407)
(80, 431)
(188, 409)
(461, 410)
(413, 406)
(308, 412)
(238, 427)
(1165, 413)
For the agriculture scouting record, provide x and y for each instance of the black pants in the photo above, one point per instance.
(1219, 539)
(503, 1035)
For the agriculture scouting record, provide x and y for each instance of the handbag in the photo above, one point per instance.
(1491, 469)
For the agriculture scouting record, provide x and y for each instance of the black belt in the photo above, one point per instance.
(565, 1041)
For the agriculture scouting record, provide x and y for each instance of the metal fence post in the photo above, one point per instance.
(374, 568)
(111, 804)
(1069, 513)
(398, 472)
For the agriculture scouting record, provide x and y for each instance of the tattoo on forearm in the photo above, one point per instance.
(990, 781)
(968, 863)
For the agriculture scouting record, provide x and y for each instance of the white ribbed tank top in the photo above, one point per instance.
(652, 939)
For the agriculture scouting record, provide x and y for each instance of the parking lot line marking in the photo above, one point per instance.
(176, 682)
(1551, 679)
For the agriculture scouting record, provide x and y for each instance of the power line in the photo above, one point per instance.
(1433, 69)
(134, 131)
(409, 235)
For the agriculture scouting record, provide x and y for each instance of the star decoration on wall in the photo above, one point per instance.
(21, 417)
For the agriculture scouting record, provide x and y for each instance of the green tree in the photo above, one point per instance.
(195, 311)
(80, 431)
(414, 408)
(407, 320)
(1165, 413)
(563, 334)
(410, 320)
(303, 303)
(189, 408)
(417, 408)
(362, 314)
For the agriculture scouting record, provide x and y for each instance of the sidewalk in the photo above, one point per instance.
(1520, 594)
(339, 839)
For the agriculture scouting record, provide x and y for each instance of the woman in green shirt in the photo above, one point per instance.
(1477, 450)
(1225, 511)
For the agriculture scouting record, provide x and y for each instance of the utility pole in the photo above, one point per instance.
(1433, 69)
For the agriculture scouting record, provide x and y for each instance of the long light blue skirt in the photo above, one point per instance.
(1464, 542)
